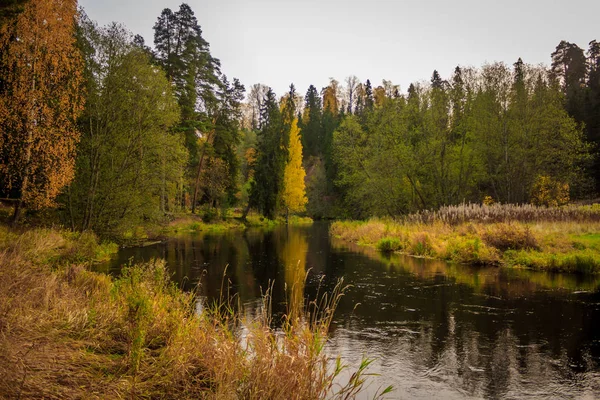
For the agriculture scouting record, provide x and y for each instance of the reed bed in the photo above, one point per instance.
(66, 332)
(464, 213)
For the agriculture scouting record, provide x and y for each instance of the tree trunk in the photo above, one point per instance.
(17, 212)
(246, 211)
(199, 174)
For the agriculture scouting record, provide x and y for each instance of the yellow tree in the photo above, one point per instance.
(40, 100)
(330, 97)
(294, 190)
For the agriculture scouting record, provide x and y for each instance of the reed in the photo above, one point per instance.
(469, 212)
(66, 332)
(562, 239)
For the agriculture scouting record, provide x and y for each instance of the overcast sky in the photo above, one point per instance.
(277, 42)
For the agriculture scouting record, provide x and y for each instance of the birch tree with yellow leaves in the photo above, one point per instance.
(40, 99)
(294, 190)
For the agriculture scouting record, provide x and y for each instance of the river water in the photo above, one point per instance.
(436, 330)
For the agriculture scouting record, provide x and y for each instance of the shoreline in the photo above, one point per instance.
(556, 246)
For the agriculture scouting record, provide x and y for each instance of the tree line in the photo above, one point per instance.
(113, 133)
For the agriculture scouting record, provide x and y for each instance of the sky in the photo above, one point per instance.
(278, 42)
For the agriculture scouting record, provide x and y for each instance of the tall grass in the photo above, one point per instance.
(532, 240)
(66, 332)
(463, 213)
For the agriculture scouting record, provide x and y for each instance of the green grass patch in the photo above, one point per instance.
(389, 244)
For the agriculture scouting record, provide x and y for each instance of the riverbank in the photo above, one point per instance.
(559, 246)
(66, 332)
(190, 223)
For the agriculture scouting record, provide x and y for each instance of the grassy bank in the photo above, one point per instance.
(66, 332)
(189, 223)
(552, 240)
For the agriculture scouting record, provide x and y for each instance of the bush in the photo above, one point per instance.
(510, 237)
(389, 245)
(471, 251)
(421, 245)
(209, 214)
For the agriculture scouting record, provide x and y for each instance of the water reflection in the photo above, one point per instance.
(438, 330)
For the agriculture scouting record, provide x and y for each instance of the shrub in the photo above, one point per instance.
(389, 244)
(471, 251)
(510, 237)
(421, 245)
(549, 192)
(209, 214)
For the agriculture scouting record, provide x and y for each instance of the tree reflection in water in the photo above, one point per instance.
(438, 330)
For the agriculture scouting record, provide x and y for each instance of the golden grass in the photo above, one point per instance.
(569, 246)
(66, 332)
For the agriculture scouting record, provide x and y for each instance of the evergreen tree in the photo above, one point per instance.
(310, 124)
(569, 67)
(592, 103)
(436, 80)
(369, 101)
(272, 156)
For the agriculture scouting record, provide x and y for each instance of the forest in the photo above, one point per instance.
(102, 132)
(109, 143)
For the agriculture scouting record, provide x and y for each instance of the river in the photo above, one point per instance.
(436, 330)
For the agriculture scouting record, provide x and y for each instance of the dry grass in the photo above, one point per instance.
(66, 332)
(465, 213)
(555, 245)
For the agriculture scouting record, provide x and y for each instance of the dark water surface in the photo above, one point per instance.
(437, 330)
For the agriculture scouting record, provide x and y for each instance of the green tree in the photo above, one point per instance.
(272, 155)
(310, 124)
(569, 67)
(195, 74)
(129, 161)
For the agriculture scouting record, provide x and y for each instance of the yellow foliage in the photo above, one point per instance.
(294, 190)
(40, 100)
(379, 96)
(549, 192)
(330, 101)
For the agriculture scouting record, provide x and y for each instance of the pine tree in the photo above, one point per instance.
(592, 102)
(369, 102)
(310, 125)
(272, 154)
(436, 80)
(569, 67)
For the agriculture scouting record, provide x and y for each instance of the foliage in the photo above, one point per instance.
(272, 155)
(294, 193)
(487, 132)
(210, 104)
(550, 193)
(129, 163)
(389, 244)
(41, 97)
